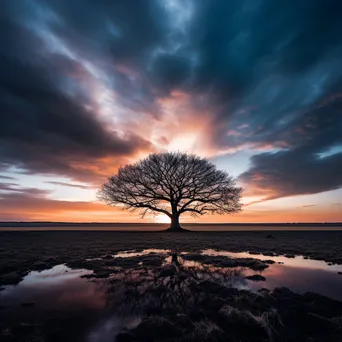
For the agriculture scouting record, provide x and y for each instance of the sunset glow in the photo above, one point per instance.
(88, 93)
(161, 219)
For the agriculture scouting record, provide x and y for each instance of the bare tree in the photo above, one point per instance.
(172, 184)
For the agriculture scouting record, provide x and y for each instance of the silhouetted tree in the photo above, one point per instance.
(172, 184)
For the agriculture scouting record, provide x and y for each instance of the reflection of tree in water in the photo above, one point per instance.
(186, 300)
(172, 286)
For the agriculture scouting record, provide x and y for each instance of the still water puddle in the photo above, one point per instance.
(134, 253)
(38, 286)
(298, 274)
(81, 306)
(301, 280)
(61, 298)
(296, 261)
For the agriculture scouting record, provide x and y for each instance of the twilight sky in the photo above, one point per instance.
(87, 86)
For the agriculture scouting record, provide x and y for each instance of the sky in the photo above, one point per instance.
(88, 86)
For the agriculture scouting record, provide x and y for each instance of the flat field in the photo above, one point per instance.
(21, 252)
(163, 295)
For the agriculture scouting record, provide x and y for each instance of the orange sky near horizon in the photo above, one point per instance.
(88, 93)
(66, 211)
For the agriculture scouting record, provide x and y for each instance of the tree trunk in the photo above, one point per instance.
(175, 227)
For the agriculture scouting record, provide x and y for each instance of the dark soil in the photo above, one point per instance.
(222, 261)
(256, 277)
(178, 303)
(21, 252)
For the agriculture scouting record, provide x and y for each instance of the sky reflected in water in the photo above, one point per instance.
(61, 292)
(298, 274)
(297, 261)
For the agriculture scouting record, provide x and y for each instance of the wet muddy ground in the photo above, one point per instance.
(21, 252)
(236, 286)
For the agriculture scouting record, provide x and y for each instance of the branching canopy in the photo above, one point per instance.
(172, 184)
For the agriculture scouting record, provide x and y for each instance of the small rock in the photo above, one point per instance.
(256, 277)
(258, 266)
(269, 254)
(269, 262)
(100, 274)
(138, 250)
(290, 256)
(280, 263)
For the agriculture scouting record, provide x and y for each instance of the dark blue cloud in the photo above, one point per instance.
(290, 173)
(271, 72)
(44, 129)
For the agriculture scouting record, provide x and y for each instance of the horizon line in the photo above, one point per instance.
(157, 223)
